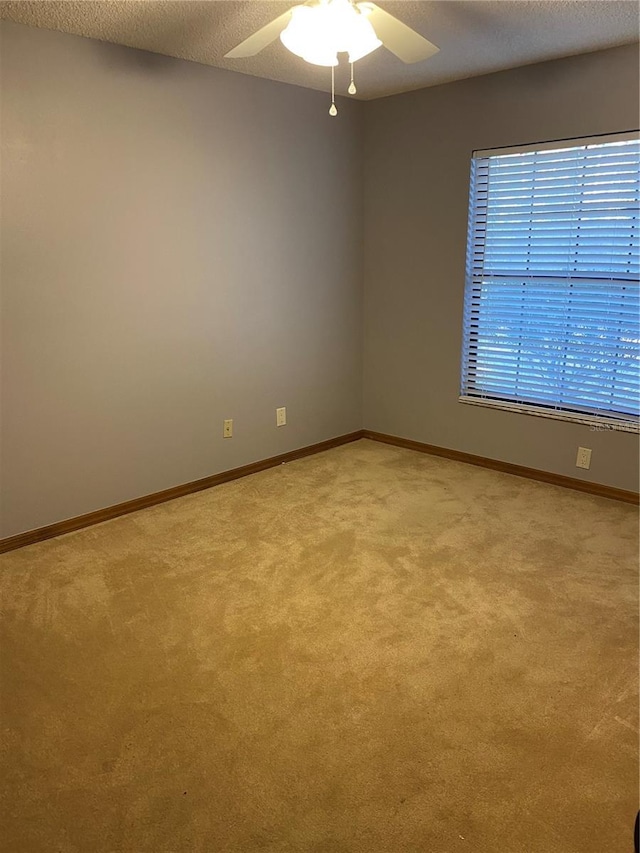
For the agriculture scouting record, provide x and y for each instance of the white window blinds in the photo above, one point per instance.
(551, 318)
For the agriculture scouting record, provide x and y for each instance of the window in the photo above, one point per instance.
(551, 322)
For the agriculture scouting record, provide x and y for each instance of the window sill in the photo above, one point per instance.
(596, 423)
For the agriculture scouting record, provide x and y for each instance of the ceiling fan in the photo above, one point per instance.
(317, 31)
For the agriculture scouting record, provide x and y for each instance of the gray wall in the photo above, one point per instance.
(180, 245)
(417, 155)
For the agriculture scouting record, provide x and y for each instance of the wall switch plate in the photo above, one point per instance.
(584, 457)
(281, 416)
(227, 431)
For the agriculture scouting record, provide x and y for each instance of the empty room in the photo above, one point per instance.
(320, 394)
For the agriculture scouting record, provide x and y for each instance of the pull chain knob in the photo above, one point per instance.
(333, 110)
(352, 86)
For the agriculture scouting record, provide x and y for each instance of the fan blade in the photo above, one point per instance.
(260, 39)
(407, 44)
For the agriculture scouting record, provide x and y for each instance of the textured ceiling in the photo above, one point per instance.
(474, 37)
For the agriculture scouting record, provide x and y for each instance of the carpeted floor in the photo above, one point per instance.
(366, 651)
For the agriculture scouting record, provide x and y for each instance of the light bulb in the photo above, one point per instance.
(306, 35)
(333, 110)
(362, 38)
(318, 33)
(352, 88)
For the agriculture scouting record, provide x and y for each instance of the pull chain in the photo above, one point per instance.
(333, 111)
(352, 86)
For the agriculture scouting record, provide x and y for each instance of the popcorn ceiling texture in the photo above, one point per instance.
(474, 37)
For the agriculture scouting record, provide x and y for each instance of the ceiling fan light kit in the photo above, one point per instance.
(319, 33)
(321, 29)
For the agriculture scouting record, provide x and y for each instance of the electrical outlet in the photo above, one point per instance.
(281, 416)
(227, 430)
(584, 457)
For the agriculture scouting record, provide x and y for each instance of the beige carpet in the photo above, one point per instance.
(369, 650)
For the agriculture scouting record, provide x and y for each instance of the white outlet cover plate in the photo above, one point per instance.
(583, 459)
